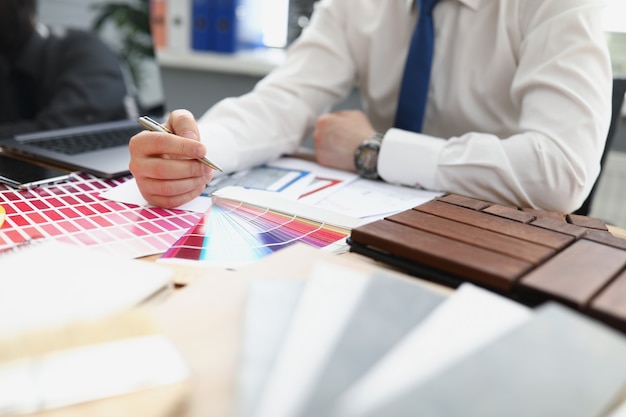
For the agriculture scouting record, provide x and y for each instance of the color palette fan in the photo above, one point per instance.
(245, 225)
(74, 212)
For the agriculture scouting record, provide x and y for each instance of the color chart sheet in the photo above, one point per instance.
(75, 213)
(235, 232)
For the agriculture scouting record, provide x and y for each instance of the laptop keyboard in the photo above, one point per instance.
(77, 143)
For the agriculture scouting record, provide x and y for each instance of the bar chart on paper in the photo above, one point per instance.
(235, 231)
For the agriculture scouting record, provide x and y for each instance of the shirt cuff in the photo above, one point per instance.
(409, 158)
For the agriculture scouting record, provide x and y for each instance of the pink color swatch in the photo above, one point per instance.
(74, 212)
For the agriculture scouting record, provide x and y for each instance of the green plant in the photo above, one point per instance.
(132, 24)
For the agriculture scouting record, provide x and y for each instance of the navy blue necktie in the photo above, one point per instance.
(414, 88)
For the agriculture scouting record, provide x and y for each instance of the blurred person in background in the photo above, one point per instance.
(53, 79)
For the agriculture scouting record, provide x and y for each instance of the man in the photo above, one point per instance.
(518, 105)
(52, 80)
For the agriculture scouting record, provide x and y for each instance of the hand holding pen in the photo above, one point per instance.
(165, 165)
(155, 126)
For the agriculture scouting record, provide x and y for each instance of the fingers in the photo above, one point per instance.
(165, 165)
(170, 182)
(337, 135)
(170, 193)
(147, 143)
(183, 124)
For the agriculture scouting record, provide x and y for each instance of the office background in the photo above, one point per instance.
(197, 84)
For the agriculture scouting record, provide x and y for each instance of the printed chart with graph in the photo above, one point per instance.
(234, 232)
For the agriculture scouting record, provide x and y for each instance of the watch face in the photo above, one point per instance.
(369, 157)
(366, 160)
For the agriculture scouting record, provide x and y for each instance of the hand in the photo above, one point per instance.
(165, 165)
(337, 135)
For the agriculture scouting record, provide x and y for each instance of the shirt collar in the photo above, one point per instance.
(473, 4)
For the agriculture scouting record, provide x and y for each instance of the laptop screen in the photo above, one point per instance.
(80, 67)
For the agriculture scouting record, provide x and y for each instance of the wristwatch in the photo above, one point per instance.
(366, 156)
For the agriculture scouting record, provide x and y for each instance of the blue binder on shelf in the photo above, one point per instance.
(200, 18)
(214, 25)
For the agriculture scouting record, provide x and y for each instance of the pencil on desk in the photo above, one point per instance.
(155, 126)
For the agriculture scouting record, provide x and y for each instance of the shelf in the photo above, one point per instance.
(254, 62)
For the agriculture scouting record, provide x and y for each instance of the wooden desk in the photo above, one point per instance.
(618, 232)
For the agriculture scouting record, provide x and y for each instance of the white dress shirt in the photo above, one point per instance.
(518, 109)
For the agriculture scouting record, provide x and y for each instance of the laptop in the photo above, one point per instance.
(100, 149)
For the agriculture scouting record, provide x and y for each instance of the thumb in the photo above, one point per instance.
(184, 124)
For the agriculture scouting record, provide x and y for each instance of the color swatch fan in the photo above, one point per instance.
(74, 212)
(245, 225)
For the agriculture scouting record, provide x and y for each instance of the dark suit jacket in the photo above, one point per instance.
(60, 80)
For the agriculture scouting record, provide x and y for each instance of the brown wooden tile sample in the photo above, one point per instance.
(510, 213)
(497, 224)
(543, 213)
(587, 222)
(481, 266)
(610, 304)
(486, 239)
(467, 202)
(606, 238)
(527, 254)
(560, 226)
(577, 273)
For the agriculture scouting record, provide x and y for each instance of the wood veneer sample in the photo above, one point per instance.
(546, 213)
(497, 224)
(588, 222)
(510, 213)
(576, 274)
(568, 258)
(478, 265)
(486, 239)
(609, 305)
(467, 202)
(560, 226)
(606, 238)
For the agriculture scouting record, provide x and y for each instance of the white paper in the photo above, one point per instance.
(296, 208)
(288, 182)
(89, 373)
(330, 297)
(619, 411)
(269, 309)
(128, 192)
(374, 199)
(50, 283)
(466, 321)
(325, 188)
(327, 180)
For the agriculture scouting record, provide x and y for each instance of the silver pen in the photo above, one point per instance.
(154, 126)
